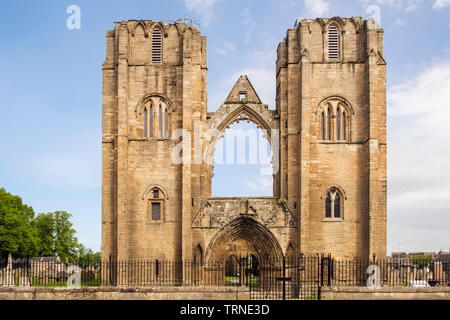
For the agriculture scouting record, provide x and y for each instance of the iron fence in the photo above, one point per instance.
(291, 277)
(389, 272)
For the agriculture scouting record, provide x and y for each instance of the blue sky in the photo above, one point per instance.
(50, 80)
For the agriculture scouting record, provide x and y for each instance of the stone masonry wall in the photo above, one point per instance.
(110, 293)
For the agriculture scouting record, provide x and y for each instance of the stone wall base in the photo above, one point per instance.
(385, 293)
(128, 293)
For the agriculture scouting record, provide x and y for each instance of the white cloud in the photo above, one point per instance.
(264, 185)
(317, 8)
(390, 3)
(204, 8)
(411, 7)
(418, 158)
(249, 23)
(407, 5)
(439, 4)
(226, 48)
(398, 23)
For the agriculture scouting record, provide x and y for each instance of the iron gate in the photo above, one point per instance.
(292, 278)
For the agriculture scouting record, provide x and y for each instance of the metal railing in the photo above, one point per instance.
(293, 277)
(391, 272)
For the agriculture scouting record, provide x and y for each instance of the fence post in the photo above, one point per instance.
(30, 276)
(284, 277)
(319, 272)
(329, 269)
(241, 261)
(110, 271)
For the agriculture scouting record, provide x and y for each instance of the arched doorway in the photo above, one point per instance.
(244, 236)
(252, 244)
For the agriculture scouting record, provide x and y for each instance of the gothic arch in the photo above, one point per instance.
(176, 26)
(321, 22)
(155, 186)
(251, 114)
(246, 228)
(290, 251)
(139, 23)
(334, 203)
(334, 186)
(154, 24)
(339, 22)
(357, 24)
(325, 23)
(228, 114)
(145, 99)
(326, 101)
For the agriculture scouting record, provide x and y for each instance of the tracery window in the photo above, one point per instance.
(156, 120)
(334, 120)
(333, 204)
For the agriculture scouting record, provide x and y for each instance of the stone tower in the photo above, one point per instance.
(327, 133)
(331, 97)
(154, 81)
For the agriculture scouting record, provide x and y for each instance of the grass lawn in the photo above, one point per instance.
(231, 281)
(252, 282)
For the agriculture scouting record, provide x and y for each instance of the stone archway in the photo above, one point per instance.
(248, 108)
(244, 236)
(260, 115)
(234, 110)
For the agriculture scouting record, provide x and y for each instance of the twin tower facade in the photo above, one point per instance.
(327, 132)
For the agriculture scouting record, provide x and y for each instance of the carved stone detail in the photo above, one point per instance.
(218, 212)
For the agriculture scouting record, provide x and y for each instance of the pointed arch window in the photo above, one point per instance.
(333, 204)
(160, 129)
(338, 123)
(156, 46)
(333, 43)
(323, 125)
(151, 121)
(166, 123)
(156, 117)
(328, 206)
(341, 123)
(337, 205)
(145, 123)
(328, 123)
(333, 120)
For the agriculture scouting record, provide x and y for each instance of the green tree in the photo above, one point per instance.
(422, 259)
(88, 255)
(57, 235)
(48, 234)
(45, 226)
(66, 243)
(18, 235)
